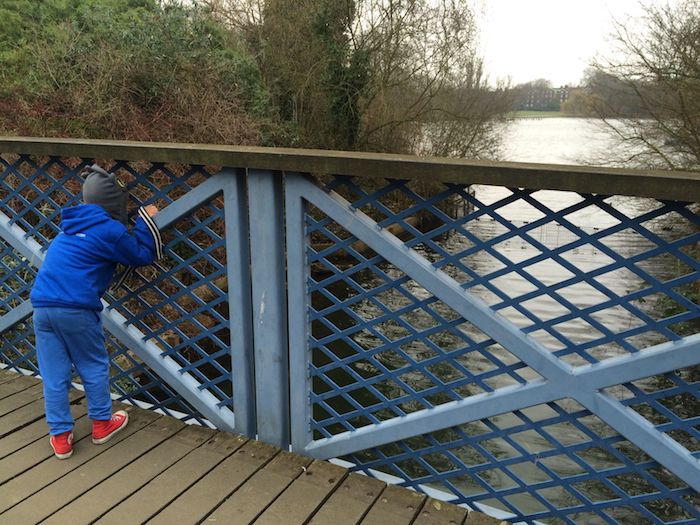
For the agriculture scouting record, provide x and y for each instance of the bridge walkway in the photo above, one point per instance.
(161, 471)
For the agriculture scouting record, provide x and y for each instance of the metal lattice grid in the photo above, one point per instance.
(553, 463)
(190, 329)
(182, 305)
(16, 278)
(669, 402)
(589, 277)
(18, 350)
(641, 252)
(384, 347)
(130, 380)
(133, 382)
(35, 189)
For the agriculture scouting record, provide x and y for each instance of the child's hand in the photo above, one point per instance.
(151, 209)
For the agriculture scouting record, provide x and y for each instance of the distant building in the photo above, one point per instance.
(539, 96)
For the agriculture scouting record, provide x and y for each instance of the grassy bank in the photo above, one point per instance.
(536, 114)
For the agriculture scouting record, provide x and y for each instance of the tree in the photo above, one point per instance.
(426, 91)
(304, 53)
(313, 74)
(654, 75)
(377, 75)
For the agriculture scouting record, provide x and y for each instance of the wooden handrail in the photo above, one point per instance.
(671, 185)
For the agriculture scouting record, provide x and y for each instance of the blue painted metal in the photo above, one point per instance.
(170, 372)
(194, 198)
(267, 263)
(16, 315)
(240, 306)
(187, 390)
(638, 431)
(163, 366)
(623, 369)
(439, 283)
(17, 239)
(642, 433)
(412, 340)
(364, 429)
(298, 304)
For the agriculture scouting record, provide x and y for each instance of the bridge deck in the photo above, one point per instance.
(160, 470)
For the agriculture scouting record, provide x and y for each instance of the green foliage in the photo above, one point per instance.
(337, 74)
(347, 70)
(304, 56)
(133, 69)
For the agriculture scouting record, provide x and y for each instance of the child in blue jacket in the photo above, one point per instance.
(66, 297)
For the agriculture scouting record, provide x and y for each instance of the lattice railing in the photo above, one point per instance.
(178, 304)
(529, 352)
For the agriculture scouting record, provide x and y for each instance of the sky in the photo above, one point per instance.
(552, 39)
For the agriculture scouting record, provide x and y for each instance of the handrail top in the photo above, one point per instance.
(670, 185)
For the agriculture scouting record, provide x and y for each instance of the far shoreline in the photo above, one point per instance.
(537, 114)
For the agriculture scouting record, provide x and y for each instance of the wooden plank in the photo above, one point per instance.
(158, 467)
(394, 506)
(8, 375)
(349, 503)
(98, 500)
(477, 518)
(50, 469)
(5, 378)
(435, 512)
(36, 452)
(305, 495)
(159, 492)
(31, 412)
(51, 498)
(19, 399)
(198, 501)
(28, 425)
(14, 421)
(251, 499)
(17, 384)
(266, 486)
(22, 437)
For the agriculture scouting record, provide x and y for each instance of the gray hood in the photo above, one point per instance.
(103, 188)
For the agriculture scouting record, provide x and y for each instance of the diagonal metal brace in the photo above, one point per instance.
(167, 368)
(562, 380)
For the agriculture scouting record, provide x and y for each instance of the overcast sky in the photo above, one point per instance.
(553, 39)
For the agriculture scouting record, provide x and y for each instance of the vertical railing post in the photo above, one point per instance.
(240, 308)
(298, 297)
(267, 256)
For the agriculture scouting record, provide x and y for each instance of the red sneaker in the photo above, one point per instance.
(102, 431)
(62, 444)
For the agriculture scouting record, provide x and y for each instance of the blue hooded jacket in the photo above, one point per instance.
(81, 260)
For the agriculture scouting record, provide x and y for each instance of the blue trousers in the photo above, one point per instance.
(66, 337)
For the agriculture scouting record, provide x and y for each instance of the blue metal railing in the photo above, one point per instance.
(527, 352)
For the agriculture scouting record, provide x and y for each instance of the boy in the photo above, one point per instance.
(66, 297)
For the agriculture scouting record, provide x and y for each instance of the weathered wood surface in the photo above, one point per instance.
(672, 185)
(159, 470)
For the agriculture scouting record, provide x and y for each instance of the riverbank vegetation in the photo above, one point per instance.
(366, 75)
(648, 90)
